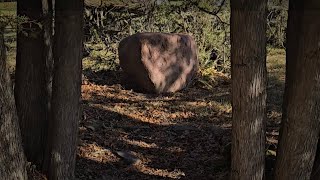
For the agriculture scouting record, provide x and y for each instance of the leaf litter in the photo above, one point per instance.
(129, 135)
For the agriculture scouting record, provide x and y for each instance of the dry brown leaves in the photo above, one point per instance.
(129, 135)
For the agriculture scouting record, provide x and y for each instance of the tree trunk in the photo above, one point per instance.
(301, 109)
(248, 71)
(12, 159)
(31, 87)
(47, 10)
(316, 165)
(66, 88)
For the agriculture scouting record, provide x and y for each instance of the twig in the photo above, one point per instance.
(210, 12)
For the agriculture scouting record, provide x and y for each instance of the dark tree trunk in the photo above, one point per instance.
(31, 84)
(66, 87)
(316, 165)
(301, 109)
(12, 159)
(248, 71)
(47, 10)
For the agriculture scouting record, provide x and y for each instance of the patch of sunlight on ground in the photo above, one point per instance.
(141, 144)
(100, 154)
(175, 174)
(139, 116)
(222, 106)
(97, 153)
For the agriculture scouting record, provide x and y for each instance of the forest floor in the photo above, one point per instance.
(128, 135)
(185, 135)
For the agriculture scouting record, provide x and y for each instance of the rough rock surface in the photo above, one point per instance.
(159, 62)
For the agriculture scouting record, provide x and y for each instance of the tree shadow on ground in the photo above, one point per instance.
(275, 91)
(183, 135)
(110, 78)
(103, 77)
(187, 146)
(166, 151)
(88, 169)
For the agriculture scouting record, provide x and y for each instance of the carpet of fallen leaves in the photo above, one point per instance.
(129, 135)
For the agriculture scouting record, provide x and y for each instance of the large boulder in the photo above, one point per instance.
(159, 62)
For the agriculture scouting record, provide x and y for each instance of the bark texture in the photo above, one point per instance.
(316, 165)
(66, 87)
(12, 159)
(301, 109)
(31, 83)
(248, 71)
(47, 10)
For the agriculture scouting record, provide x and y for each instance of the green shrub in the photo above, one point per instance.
(206, 20)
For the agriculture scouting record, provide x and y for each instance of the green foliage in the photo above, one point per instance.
(210, 32)
(10, 23)
(277, 23)
(9, 20)
(206, 20)
(7, 13)
(100, 58)
(8, 8)
(107, 22)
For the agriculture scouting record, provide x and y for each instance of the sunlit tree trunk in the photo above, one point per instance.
(249, 76)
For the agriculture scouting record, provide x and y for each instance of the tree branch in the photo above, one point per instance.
(196, 4)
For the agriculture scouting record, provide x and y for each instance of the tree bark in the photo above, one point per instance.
(12, 159)
(316, 165)
(66, 88)
(249, 77)
(31, 83)
(47, 10)
(301, 109)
